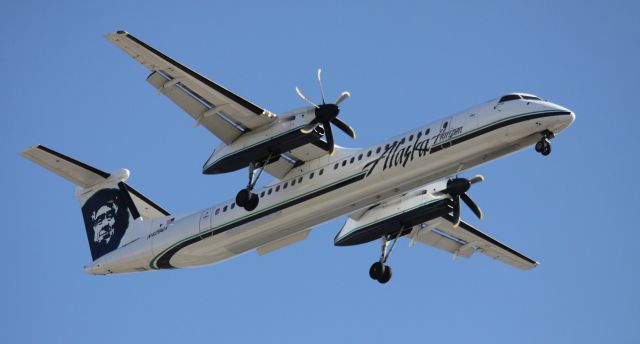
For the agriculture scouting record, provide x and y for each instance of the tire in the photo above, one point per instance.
(386, 275)
(546, 150)
(242, 197)
(375, 272)
(539, 146)
(252, 202)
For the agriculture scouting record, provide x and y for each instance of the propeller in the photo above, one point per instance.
(327, 114)
(457, 188)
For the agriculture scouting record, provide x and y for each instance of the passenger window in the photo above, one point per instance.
(344, 162)
(321, 172)
(335, 167)
(233, 205)
(368, 154)
(359, 157)
(217, 211)
(378, 150)
(300, 180)
(386, 147)
(293, 182)
(402, 141)
(269, 192)
(418, 135)
(277, 188)
(262, 194)
(411, 137)
(285, 185)
(426, 132)
(311, 175)
(224, 209)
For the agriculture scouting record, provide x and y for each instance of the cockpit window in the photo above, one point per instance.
(531, 98)
(509, 97)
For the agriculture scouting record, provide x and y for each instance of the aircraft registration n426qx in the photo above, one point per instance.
(403, 186)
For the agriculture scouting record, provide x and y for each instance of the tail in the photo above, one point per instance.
(109, 206)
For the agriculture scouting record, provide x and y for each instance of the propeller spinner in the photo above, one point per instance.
(457, 188)
(327, 114)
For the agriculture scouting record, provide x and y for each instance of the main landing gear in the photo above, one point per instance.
(544, 145)
(379, 271)
(246, 198)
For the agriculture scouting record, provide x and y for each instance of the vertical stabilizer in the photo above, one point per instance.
(109, 206)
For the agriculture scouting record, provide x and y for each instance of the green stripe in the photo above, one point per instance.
(494, 123)
(152, 262)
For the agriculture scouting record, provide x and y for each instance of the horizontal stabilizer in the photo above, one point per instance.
(87, 176)
(68, 168)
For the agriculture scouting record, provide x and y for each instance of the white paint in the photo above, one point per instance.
(378, 185)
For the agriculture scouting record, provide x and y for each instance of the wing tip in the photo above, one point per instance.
(25, 152)
(113, 36)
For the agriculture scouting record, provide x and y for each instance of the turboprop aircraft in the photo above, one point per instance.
(404, 186)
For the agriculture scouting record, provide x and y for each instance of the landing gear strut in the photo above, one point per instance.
(544, 145)
(246, 198)
(379, 271)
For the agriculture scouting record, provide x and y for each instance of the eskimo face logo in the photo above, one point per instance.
(106, 220)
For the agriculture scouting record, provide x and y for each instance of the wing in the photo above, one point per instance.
(464, 240)
(283, 242)
(222, 112)
(297, 157)
(87, 176)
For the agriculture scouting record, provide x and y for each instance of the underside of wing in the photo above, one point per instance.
(296, 157)
(224, 113)
(465, 239)
(86, 176)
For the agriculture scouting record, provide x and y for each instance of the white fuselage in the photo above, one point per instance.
(332, 186)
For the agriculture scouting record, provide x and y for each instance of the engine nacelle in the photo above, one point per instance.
(396, 216)
(260, 145)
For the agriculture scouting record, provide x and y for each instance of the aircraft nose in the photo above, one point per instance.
(572, 118)
(563, 121)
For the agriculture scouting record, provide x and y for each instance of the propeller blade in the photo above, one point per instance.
(456, 211)
(321, 86)
(344, 127)
(329, 134)
(472, 205)
(477, 179)
(311, 126)
(305, 98)
(342, 97)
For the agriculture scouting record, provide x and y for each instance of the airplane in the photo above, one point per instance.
(406, 186)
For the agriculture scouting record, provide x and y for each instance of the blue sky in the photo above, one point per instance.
(405, 63)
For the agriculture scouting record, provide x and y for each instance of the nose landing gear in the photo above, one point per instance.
(379, 271)
(544, 145)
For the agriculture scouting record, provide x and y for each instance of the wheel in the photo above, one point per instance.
(386, 275)
(376, 270)
(242, 197)
(252, 202)
(546, 150)
(539, 146)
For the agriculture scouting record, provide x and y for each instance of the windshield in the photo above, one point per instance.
(509, 97)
